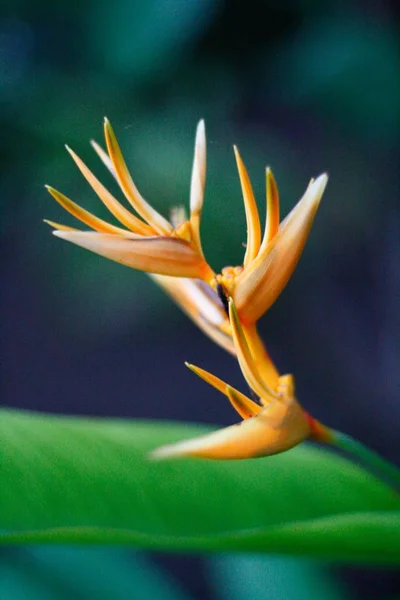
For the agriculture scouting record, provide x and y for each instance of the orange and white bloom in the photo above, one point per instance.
(269, 262)
(149, 242)
(225, 306)
(273, 424)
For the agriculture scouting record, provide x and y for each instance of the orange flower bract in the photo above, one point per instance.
(147, 241)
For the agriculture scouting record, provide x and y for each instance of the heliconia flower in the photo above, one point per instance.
(269, 262)
(149, 242)
(273, 424)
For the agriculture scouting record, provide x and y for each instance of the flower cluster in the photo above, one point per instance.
(226, 305)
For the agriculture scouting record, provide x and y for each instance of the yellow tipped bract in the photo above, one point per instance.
(251, 210)
(258, 286)
(163, 255)
(159, 224)
(162, 248)
(273, 422)
(276, 428)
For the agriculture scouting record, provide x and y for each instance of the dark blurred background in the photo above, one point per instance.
(302, 86)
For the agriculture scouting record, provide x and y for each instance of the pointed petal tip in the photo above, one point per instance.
(322, 179)
(51, 190)
(193, 368)
(72, 154)
(60, 234)
(201, 135)
(164, 453)
(319, 184)
(201, 127)
(96, 146)
(50, 223)
(316, 189)
(58, 226)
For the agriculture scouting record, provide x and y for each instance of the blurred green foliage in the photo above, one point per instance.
(255, 576)
(45, 573)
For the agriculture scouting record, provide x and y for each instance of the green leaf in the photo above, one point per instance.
(42, 573)
(89, 481)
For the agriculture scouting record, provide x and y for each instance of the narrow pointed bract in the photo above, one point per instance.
(198, 180)
(197, 184)
(272, 212)
(251, 210)
(58, 226)
(132, 194)
(116, 208)
(241, 403)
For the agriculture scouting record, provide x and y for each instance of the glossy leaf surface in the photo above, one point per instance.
(89, 481)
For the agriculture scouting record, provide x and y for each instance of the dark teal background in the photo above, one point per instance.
(302, 86)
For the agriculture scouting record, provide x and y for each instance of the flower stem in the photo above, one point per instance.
(371, 459)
